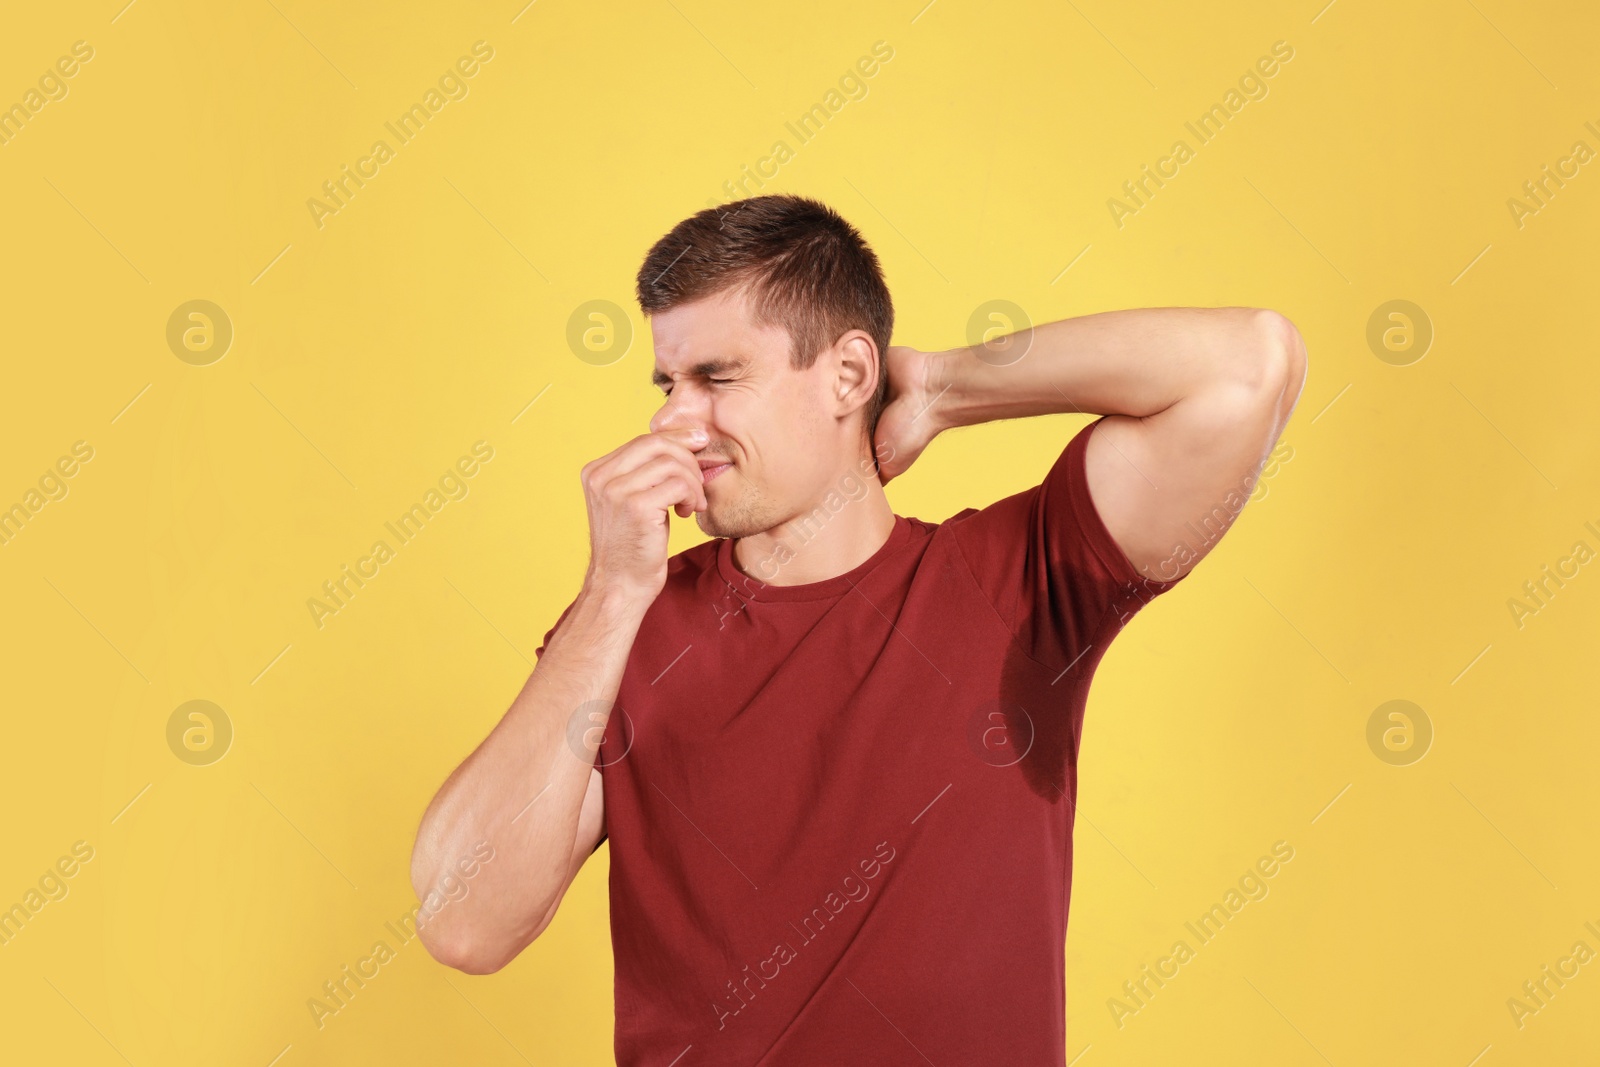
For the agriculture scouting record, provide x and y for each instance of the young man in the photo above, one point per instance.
(839, 755)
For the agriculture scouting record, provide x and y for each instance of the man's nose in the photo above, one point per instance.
(674, 415)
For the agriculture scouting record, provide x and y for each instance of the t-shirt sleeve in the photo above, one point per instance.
(1049, 566)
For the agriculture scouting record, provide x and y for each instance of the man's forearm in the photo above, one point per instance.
(540, 751)
(1136, 362)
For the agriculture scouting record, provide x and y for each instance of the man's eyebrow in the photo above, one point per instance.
(704, 369)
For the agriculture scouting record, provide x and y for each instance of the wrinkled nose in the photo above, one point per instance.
(677, 414)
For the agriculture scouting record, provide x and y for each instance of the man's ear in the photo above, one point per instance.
(856, 370)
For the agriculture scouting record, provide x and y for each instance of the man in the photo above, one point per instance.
(835, 748)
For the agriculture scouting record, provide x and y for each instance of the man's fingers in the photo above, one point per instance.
(663, 470)
(677, 492)
(632, 454)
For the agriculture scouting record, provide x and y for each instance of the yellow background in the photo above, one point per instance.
(370, 353)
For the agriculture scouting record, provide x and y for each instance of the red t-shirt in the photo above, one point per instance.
(841, 813)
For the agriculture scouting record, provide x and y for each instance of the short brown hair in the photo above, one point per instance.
(808, 271)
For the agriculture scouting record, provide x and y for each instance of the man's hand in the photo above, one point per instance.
(629, 493)
(909, 420)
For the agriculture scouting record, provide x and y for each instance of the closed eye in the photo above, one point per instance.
(713, 381)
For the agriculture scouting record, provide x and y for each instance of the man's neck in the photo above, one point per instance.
(818, 543)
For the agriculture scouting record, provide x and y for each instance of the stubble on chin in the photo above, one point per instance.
(739, 517)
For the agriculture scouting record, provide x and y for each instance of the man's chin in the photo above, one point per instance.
(725, 522)
(707, 523)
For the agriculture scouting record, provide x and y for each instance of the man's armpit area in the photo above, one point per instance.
(1092, 526)
(1049, 565)
(1132, 589)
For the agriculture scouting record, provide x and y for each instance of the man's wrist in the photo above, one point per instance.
(618, 603)
(1010, 379)
(948, 386)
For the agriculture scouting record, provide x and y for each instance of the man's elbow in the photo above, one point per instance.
(1279, 366)
(461, 950)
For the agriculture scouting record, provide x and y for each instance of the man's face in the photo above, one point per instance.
(732, 379)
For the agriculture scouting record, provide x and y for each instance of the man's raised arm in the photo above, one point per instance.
(530, 791)
(1196, 399)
